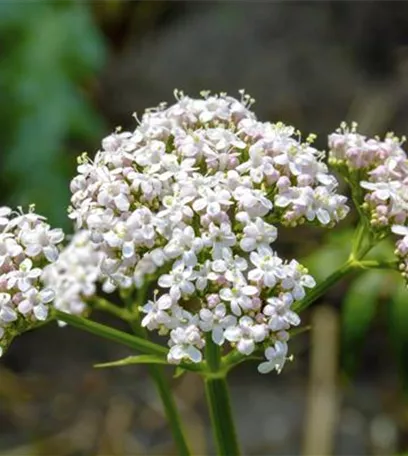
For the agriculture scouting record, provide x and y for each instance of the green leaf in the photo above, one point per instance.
(325, 260)
(140, 359)
(358, 310)
(398, 329)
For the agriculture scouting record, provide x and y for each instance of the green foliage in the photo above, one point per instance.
(358, 310)
(398, 329)
(361, 302)
(50, 49)
(334, 252)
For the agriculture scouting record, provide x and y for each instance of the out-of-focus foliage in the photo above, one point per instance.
(323, 261)
(49, 51)
(366, 294)
(358, 310)
(398, 330)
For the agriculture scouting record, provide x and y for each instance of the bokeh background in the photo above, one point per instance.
(70, 72)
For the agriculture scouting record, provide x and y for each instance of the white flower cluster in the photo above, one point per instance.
(74, 276)
(190, 198)
(401, 249)
(27, 246)
(380, 167)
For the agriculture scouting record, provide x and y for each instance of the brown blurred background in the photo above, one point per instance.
(70, 72)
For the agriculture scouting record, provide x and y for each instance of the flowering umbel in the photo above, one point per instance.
(74, 276)
(191, 199)
(27, 246)
(380, 169)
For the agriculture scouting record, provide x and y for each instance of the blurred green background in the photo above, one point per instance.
(70, 72)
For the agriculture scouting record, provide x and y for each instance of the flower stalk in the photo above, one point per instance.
(219, 403)
(106, 332)
(158, 376)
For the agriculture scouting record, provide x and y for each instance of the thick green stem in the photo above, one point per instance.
(219, 404)
(221, 416)
(115, 335)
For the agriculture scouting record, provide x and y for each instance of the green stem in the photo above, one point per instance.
(170, 409)
(161, 383)
(358, 238)
(115, 335)
(221, 416)
(219, 404)
(109, 307)
(374, 264)
(362, 244)
(322, 287)
(212, 354)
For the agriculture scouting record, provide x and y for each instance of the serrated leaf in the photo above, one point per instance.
(358, 310)
(140, 359)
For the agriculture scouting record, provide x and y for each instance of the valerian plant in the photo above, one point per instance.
(181, 217)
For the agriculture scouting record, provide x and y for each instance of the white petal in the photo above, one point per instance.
(246, 346)
(33, 250)
(232, 333)
(226, 294)
(265, 367)
(8, 315)
(323, 216)
(218, 335)
(165, 281)
(400, 229)
(51, 253)
(164, 302)
(249, 290)
(194, 354)
(177, 352)
(47, 295)
(40, 312)
(199, 204)
(248, 244)
(122, 203)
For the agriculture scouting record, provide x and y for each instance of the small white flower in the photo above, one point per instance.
(268, 267)
(216, 321)
(179, 280)
(279, 312)
(231, 267)
(220, 238)
(253, 201)
(258, 234)
(246, 335)
(213, 201)
(156, 313)
(24, 276)
(239, 298)
(184, 345)
(42, 240)
(276, 357)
